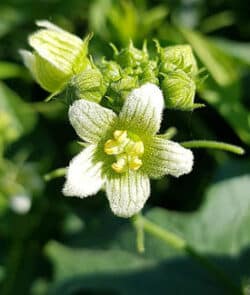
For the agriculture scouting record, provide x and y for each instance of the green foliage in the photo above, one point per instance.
(74, 246)
(120, 268)
(17, 117)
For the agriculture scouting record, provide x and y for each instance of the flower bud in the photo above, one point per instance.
(88, 85)
(111, 71)
(131, 56)
(57, 56)
(179, 91)
(124, 86)
(178, 57)
(149, 73)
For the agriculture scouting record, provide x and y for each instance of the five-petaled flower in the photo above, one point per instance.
(123, 151)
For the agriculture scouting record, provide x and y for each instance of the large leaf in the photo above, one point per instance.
(120, 272)
(219, 230)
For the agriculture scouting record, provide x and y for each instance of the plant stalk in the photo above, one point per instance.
(180, 244)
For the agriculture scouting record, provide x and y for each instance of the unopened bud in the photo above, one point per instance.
(179, 91)
(88, 85)
(57, 56)
(178, 57)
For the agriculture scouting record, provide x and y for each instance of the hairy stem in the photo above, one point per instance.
(213, 145)
(55, 173)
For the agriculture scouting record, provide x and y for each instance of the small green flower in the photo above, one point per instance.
(123, 151)
(57, 56)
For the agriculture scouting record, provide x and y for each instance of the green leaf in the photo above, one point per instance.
(23, 118)
(226, 100)
(1, 273)
(219, 230)
(238, 50)
(11, 70)
(221, 66)
(227, 204)
(10, 18)
(121, 272)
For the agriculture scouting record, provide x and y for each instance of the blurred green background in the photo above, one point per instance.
(58, 245)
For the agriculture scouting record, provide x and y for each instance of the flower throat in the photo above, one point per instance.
(127, 149)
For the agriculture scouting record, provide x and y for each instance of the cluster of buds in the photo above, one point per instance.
(130, 68)
(61, 65)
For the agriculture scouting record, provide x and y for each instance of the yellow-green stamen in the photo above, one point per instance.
(127, 151)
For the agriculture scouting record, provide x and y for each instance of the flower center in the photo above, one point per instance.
(127, 149)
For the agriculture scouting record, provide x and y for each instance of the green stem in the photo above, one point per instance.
(170, 133)
(139, 227)
(213, 145)
(180, 244)
(55, 173)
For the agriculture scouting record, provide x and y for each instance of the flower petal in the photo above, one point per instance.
(56, 46)
(46, 74)
(29, 61)
(127, 192)
(167, 157)
(90, 120)
(83, 178)
(142, 110)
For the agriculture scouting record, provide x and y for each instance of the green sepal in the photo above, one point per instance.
(81, 62)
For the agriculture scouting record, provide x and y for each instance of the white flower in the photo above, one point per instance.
(124, 151)
(58, 55)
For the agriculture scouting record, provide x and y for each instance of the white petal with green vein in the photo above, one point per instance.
(127, 192)
(83, 177)
(164, 157)
(29, 60)
(90, 120)
(142, 110)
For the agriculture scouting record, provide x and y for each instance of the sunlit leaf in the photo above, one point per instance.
(220, 66)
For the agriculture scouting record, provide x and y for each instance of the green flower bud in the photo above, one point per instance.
(124, 86)
(131, 56)
(111, 71)
(178, 57)
(88, 85)
(57, 56)
(179, 90)
(149, 73)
